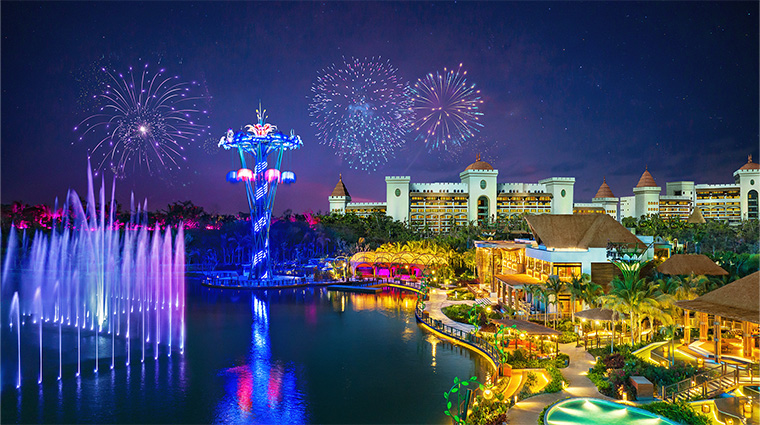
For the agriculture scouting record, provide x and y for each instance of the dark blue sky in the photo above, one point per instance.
(570, 89)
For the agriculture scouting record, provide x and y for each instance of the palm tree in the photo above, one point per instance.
(591, 294)
(577, 286)
(634, 297)
(554, 286)
(544, 293)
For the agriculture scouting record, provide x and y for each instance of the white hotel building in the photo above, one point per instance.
(478, 197)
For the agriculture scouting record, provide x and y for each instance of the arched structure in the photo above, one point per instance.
(403, 264)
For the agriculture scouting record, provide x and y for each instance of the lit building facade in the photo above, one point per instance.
(731, 202)
(477, 197)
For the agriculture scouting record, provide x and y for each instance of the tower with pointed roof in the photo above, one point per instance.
(606, 199)
(480, 179)
(339, 198)
(748, 179)
(646, 195)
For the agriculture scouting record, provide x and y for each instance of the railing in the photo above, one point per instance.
(467, 338)
(549, 316)
(750, 372)
(707, 384)
(244, 282)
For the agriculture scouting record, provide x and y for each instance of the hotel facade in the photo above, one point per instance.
(478, 197)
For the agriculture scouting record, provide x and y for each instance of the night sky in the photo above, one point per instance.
(569, 89)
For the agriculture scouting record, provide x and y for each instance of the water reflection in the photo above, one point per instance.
(261, 391)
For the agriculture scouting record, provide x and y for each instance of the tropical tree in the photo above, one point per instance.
(553, 286)
(634, 297)
(577, 287)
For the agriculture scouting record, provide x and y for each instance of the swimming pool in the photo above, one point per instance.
(592, 411)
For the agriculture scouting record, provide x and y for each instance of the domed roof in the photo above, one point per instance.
(750, 165)
(340, 188)
(646, 179)
(604, 190)
(479, 165)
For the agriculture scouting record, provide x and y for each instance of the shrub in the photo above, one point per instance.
(460, 294)
(614, 361)
(562, 360)
(679, 411)
(460, 313)
(555, 385)
(567, 336)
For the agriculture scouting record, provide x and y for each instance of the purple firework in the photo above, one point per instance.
(143, 121)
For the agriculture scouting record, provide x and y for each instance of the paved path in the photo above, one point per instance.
(437, 301)
(526, 412)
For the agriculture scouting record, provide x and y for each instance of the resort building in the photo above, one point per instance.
(563, 245)
(477, 197)
(732, 202)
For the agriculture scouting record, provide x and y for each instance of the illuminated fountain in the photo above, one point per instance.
(91, 279)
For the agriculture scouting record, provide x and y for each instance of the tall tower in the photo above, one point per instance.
(748, 179)
(606, 199)
(480, 178)
(562, 190)
(339, 197)
(397, 197)
(647, 196)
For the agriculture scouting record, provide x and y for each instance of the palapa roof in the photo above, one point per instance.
(526, 326)
(604, 190)
(750, 165)
(340, 188)
(580, 231)
(517, 279)
(739, 300)
(479, 165)
(601, 314)
(646, 179)
(696, 216)
(687, 264)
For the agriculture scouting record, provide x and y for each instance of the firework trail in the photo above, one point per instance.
(143, 120)
(446, 109)
(361, 109)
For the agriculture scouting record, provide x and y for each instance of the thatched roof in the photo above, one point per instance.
(579, 231)
(696, 217)
(601, 314)
(739, 300)
(517, 279)
(526, 326)
(687, 264)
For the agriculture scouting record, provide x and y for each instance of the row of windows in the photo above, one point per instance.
(526, 198)
(436, 191)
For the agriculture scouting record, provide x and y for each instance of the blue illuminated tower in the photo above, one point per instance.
(259, 141)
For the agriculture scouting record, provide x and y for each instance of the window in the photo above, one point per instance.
(563, 193)
(482, 184)
(482, 210)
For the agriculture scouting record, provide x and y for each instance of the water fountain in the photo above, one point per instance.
(84, 276)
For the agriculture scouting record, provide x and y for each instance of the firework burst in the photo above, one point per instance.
(446, 108)
(362, 110)
(144, 121)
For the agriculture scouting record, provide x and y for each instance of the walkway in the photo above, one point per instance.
(437, 300)
(526, 412)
